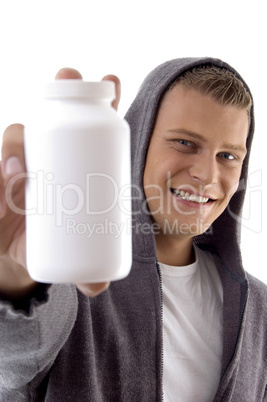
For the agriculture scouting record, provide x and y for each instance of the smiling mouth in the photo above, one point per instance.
(185, 195)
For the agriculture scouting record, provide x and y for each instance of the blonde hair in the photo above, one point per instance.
(218, 83)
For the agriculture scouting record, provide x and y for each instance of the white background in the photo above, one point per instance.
(129, 38)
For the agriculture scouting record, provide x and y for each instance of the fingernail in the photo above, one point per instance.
(13, 166)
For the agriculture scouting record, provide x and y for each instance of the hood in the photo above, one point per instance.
(224, 234)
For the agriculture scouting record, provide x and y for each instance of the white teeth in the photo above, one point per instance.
(191, 197)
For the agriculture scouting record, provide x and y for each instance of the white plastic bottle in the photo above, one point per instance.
(78, 195)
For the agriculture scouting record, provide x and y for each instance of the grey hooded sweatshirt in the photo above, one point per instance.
(62, 346)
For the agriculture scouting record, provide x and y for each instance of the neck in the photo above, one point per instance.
(175, 251)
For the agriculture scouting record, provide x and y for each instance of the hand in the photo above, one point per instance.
(15, 281)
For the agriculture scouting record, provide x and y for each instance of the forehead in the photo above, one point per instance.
(189, 109)
(182, 96)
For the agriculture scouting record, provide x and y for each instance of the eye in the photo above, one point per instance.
(185, 143)
(184, 146)
(226, 155)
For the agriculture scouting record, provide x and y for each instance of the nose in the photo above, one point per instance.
(205, 169)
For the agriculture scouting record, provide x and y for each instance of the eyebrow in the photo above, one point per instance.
(204, 139)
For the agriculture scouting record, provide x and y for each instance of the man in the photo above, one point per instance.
(188, 322)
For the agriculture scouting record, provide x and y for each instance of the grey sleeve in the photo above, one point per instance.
(30, 342)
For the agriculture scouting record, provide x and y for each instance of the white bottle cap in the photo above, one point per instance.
(73, 88)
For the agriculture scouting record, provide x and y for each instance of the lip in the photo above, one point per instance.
(189, 190)
(192, 204)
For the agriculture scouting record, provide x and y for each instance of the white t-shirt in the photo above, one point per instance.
(192, 325)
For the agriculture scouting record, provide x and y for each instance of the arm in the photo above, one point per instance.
(31, 341)
(35, 320)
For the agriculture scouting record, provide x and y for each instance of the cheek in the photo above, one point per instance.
(157, 171)
(231, 188)
(154, 198)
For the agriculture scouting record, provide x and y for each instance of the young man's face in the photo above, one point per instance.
(194, 161)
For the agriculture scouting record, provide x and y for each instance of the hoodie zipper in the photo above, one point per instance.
(161, 319)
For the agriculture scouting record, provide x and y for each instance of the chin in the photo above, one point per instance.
(178, 228)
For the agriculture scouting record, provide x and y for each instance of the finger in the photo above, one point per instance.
(68, 74)
(2, 200)
(117, 83)
(13, 147)
(13, 160)
(93, 289)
